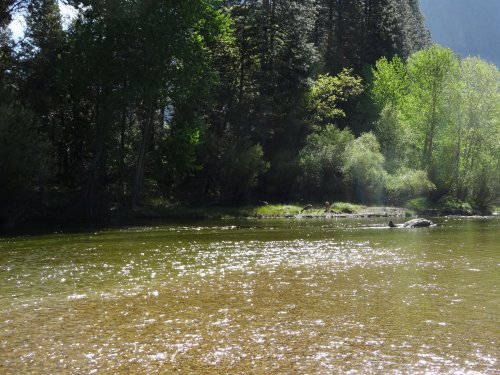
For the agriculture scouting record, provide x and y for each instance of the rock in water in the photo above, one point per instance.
(418, 223)
(415, 223)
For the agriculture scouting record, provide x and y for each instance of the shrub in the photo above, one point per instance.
(321, 161)
(407, 184)
(242, 164)
(364, 168)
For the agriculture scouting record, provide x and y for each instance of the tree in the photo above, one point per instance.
(393, 139)
(217, 100)
(389, 91)
(407, 184)
(8, 61)
(41, 89)
(359, 32)
(442, 115)
(390, 82)
(415, 118)
(327, 94)
(364, 169)
(24, 160)
(127, 78)
(410, 25)
(287, 60)
(432, 74)
(321, 162)
(477, 133)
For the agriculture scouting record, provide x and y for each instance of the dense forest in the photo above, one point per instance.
(236, 102)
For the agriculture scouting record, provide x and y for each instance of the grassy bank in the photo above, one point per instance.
(161, 210)
(337, 209)
(417, 207)
(448, 207)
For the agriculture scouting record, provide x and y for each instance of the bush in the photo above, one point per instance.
(454, 204)
(321, 161)
(364, 169)
(242, 164)
(279, 183)
(393, 139)
(407, 184)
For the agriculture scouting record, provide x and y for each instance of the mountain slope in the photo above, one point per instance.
(469, 27)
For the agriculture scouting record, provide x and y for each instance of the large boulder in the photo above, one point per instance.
(418, 223)
(414, 223)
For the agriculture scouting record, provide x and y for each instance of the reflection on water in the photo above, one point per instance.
(253, 297)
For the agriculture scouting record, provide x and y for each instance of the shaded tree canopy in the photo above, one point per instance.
(211, 101)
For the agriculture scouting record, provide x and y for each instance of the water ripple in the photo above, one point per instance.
(280, 298)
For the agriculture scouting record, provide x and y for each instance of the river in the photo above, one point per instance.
(345, 296)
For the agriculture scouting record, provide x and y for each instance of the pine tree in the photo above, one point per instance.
(288, 59)
(357, 33)
(414, 35)
(42, 52)
(41, 61)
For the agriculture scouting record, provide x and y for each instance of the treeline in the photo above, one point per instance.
(205, 101)
(441, 115)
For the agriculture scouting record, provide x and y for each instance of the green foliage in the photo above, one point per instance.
(419, 204)
(277, 210)
(321, 162)
(42, 51)
(280, 179)
(364, 168)
(413, 100)
(442, 115)
(242, 164)
(450, 203)
(477, 133)
(228, 171)
(346, 208)
(24, 154)
(358, 33)
(391, 83)
(286, 59)
(432, 74)
(202, 100)
(407, 184)
(393, 139)
(327, 94)
(177, 150)
(410, 35)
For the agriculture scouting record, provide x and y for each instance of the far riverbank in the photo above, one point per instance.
(293, 211)
(120, 215)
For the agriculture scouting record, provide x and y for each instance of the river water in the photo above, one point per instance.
(253, 297)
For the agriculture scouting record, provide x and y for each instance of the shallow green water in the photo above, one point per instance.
(256, 297)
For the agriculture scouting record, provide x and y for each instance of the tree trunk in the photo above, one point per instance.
(243, 53)
(458, 154)
(427, 157)
(90, 190)
(141, 161)
(330, 54)
(340, 38)
(122, 151)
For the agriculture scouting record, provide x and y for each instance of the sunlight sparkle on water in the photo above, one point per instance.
(245, 299)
